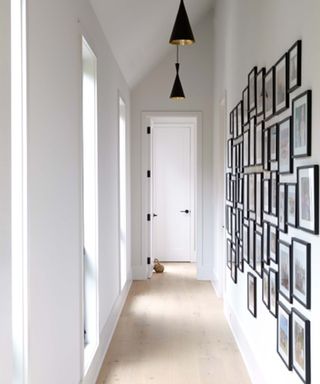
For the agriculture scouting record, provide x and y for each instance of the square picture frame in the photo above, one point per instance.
(301, 361)
(259, 198)
(285, 146)
(260, 91)
(273, 243)
(266, 150)
(259, 143)
(239, 118)
(229, 152)
(273, 292)
(269, 89)
(252, 294)
(246, 148)
(240, 258)
(265, 254)
(252, 85)
(265, 287)
(301, 272)
(252, 258)
(266, 196)
(252, 146)
(301, 122)
(246, 195)
(308, 198)
(252, 192)
(284, 340)
(282, 209)
(281, 84)
(231, 117)
(258, 254)
(274, 142)
(245, 243)
(245, 104)
(285, 270)
(294, 58)
(274, 193)
(292, 211)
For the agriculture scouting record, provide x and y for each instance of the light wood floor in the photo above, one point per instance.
(172, 331)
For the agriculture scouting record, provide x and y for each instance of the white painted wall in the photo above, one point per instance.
(249, 33)
(152, 94)
(54, 189)
(5, 199)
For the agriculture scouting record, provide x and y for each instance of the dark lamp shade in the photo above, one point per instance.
(182, 32)
(177, 90)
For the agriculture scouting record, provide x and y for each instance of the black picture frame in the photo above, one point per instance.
(266, 149)
(231, 117)
(265, 258)
(260, 91)
(269, 91)
(240, 258)
(252, 247)
(266, 196)
(229, 247)
(295, 63)
(245, 243)
(233, 227)
(245, 104)
(273, 292)
(300, 328)
(229, 153)
(308, 198)
(246, 148)
(284, 336)
(281, 84)
(274, 142)
(252, 192)
(252, 144)
(282, 207)
(252, 294)
(292, 210)
(258, 254)
(246, 195)
(302, 124)
(239, 118)
(274, 193)
(252, 88)
(285, 146)
(259, 143)
(228, 219)
(259, 198)
(273, 243)
(265, 287)
(234, 265)
(301, 272)
(285, 270)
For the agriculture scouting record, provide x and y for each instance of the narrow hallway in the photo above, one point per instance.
(172, 331)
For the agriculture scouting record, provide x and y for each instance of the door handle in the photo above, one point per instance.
(185, 211)
(154, 215)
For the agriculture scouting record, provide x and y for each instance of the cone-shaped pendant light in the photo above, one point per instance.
(177, 90)
(182, 32)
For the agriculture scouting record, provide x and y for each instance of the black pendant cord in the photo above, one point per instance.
(177, 63)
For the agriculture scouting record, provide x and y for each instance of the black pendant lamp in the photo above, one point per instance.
(177, 90)
(182, 32)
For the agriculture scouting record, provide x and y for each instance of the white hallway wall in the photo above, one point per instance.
(152, 94)
(249, 33)
(54, 187)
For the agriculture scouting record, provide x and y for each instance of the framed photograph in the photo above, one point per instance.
(285, 270)
(246, 195)
(308, 198)
(283, 208)
(252, 192)
(233, 228)
(252, 230)
(284, 335)
(231, 123)
(245, 243)
(301, 121)
(266, 196)
(265, 249)
(260, 91)
(246, 148)
(234, 265)
(239, 118)
(274, 193)
(301, 346)
(240, 190)
(252, 141)
(258, 253)
(228, 219)
(273, 243)
(301, 272)
(229, 247)
(259, 198)
(269, 87)
(259, 147)
(265, 287)
(266, 150)
(292, 204)
(285, 146)
(274, 142)
(281, 85)
(245, 103)
(252, 294)
(228, 187)
(229, 155)
(252, 81)
(295, 66)
(240, 258)
(234, 159)
(273, 292)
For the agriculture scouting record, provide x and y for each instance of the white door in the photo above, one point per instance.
(171, 192)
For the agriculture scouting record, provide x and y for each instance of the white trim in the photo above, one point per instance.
(106, 337)
(147, 118)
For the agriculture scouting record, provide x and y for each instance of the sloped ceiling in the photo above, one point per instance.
(138, 30)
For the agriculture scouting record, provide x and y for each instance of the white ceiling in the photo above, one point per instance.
(138, 30)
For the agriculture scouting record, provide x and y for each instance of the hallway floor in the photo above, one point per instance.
(172, 331)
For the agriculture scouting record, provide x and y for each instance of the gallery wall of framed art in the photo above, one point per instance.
(272, 203)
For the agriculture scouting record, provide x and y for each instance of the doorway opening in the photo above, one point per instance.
(171, 189)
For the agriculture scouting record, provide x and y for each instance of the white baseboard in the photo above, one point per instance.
(139, 272)
(106, 336)
(254, 370)
(204, 273)
(217, 286)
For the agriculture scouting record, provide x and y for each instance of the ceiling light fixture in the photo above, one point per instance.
(182, 32)
(177, 90)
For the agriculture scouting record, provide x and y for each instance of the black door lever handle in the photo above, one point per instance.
(185, 211)
(154, 215)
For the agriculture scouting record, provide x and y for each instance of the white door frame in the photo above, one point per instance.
(148, 119)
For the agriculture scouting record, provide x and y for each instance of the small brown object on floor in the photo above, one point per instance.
(159, 268)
